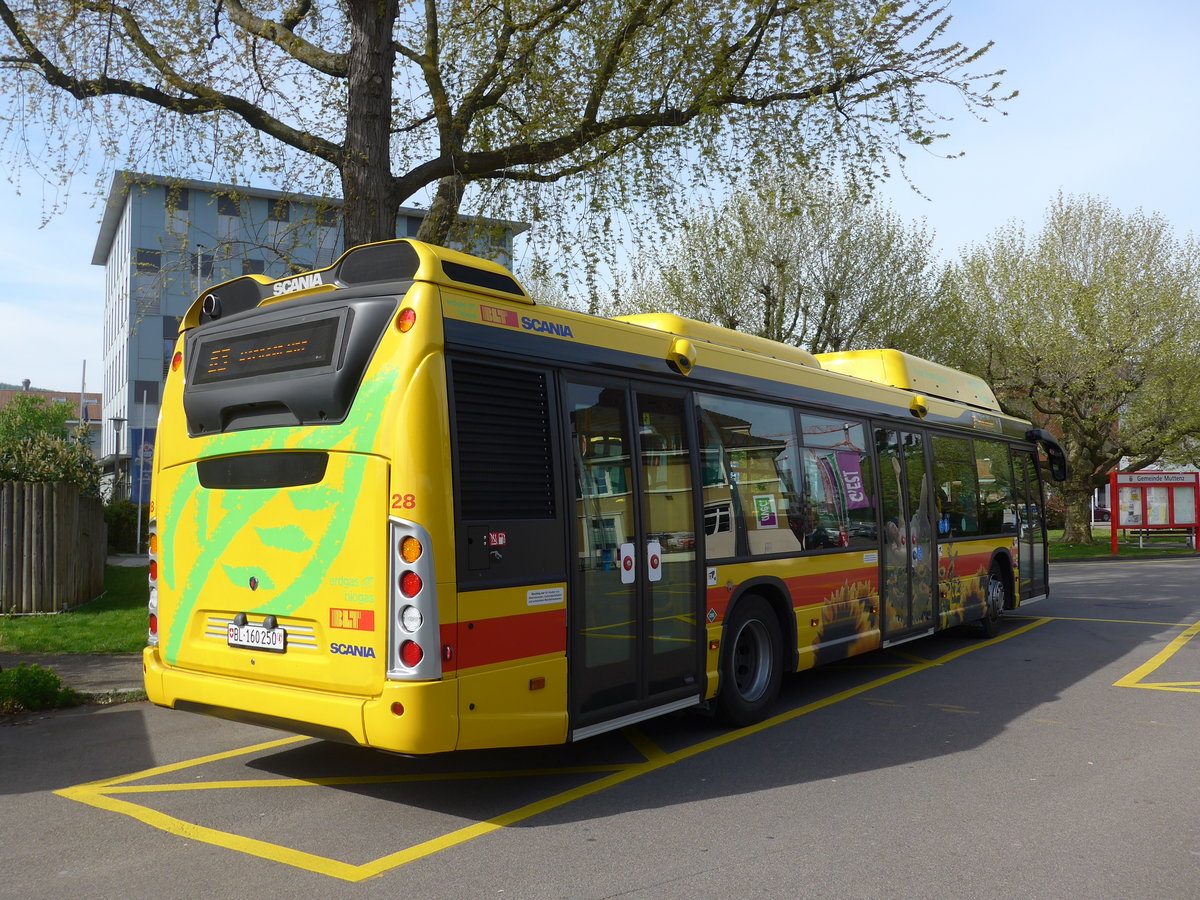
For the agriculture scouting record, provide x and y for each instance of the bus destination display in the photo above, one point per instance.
(307, 345)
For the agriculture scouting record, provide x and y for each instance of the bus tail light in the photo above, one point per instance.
(176, 360)
(411, 654)
(410, 549)
(152, 602)
(411, 619)
(410, 584)
(406, 319)
(412, 605)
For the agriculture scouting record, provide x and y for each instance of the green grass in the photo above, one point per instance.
(116, 623)
(1127, 547)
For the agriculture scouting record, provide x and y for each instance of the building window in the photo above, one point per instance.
(279, 211)
(253, 266)
(202, 265)
(328, 218)
(147, 390)
(228, 206)
(178, 199)
(146, 261)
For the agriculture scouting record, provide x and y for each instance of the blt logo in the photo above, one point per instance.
(352, 619)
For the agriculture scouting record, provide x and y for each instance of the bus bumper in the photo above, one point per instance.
(414, 718)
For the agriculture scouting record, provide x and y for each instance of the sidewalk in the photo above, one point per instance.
(100, 678)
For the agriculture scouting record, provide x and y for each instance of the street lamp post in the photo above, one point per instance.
(200, 248)
(117, 422)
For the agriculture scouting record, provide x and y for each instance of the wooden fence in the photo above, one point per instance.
(53, 546)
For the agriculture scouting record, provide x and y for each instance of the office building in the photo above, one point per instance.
(161, 241)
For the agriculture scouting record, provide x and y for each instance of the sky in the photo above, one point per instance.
(1106, 107)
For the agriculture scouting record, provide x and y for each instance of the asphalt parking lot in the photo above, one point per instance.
(1057, 760)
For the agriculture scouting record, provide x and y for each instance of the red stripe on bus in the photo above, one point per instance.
(483, 642)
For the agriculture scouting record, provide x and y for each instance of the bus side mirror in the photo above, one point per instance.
(1054, 451)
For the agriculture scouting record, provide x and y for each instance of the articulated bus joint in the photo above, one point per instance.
(414, 632)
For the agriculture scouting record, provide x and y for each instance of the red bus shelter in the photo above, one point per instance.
(1146, 501)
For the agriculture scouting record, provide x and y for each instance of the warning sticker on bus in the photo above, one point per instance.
(542, 596)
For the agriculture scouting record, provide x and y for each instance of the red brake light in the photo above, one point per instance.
(411, 654)
(154, 570)
(410, 584)
(153, 624)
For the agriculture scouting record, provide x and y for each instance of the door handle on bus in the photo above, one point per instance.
(627, 564)
(654, 560)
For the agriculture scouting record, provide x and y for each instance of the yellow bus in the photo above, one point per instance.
(397, 503)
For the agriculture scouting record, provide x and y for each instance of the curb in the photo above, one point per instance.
(112, 697)
(1118, 558)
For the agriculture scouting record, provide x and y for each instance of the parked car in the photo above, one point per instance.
(1101, 514)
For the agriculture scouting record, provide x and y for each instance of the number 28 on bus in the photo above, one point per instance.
(399, 504)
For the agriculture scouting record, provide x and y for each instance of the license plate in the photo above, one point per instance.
(256, 637)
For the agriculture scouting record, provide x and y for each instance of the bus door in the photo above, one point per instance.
(1031, 534)
(635, 634)
(909, 553)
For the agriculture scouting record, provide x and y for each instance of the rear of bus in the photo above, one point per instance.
(302, 512)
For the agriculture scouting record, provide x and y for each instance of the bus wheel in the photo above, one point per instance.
(751, 667)
(996, 599)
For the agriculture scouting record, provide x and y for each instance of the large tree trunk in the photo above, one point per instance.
(370, 201)
(1078, 526)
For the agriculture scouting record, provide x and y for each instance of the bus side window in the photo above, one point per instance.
(839, 483)
(957, 492)
(997, 504)
(757, 449)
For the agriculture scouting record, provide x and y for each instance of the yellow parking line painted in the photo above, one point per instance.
(1163, 687)
(250, 846)
(909, 657)
(1177, 684)
(99, 793)
(650, 750)
(1134, 678)
(192, 763)
(346, 780)
(1117, 621)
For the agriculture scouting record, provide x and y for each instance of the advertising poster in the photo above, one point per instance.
(765, 512)
(141, 463)
(1131, 506)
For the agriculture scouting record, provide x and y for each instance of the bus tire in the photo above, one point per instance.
(996, 600)
(751, 664)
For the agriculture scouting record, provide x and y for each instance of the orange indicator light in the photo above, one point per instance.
(410, 549)
(406, 320)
